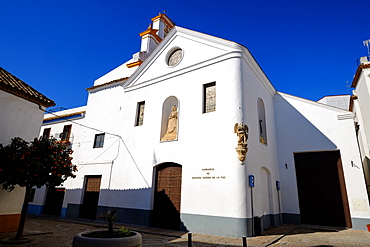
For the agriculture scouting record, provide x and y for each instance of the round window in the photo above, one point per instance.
(175, 57)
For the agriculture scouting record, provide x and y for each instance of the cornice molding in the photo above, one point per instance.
(104, 85)
(358, 73)
(64, 116)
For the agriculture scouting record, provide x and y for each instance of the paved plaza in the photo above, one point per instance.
(58, 232)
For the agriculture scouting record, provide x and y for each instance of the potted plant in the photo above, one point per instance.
(111, 238)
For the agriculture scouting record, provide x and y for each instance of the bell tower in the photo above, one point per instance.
(157, 30)
(160, 26)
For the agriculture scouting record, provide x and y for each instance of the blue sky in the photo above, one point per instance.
(306, 48)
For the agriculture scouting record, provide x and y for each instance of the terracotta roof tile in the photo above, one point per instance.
(11, 84)
(107, 83)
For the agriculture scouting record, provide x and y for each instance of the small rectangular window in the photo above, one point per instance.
(66, 132)
(93, 183)
(46, 133)
(99, 140)
(209, 97)
(140, 113)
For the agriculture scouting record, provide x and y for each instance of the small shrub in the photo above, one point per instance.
(124, 232)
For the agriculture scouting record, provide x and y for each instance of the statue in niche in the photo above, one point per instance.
(171, 131)
(242, 133)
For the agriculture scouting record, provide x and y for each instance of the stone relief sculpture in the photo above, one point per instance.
(242, 133)
(171, 131)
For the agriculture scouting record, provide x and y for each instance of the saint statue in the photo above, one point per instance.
(171, 131)
(241, 131)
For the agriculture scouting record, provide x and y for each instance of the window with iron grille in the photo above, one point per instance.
(209, 97)
(99, 140)
(140, 113)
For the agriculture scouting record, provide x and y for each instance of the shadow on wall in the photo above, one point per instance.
(297, 133)
(129, 204)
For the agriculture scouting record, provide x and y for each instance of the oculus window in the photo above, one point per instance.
(99, 140)
(174, 57)
(209, 97)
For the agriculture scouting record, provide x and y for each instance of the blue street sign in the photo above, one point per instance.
(251, 181)
(278, 185)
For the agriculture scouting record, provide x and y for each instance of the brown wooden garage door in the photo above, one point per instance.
(321, 189)
(167, 196)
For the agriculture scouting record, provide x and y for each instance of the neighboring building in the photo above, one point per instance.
(360, 106)
(22, 112)
(66, 127)
(164, 141)
(339, 101)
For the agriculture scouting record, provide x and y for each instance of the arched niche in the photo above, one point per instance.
(266, 197)
(262, 121)
(170, 122)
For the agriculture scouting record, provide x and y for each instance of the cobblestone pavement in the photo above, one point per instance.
(58, 232)
(322, 236)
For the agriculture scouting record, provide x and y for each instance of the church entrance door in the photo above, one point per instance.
(167, 196)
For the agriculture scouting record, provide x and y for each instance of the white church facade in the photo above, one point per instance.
(191, 135)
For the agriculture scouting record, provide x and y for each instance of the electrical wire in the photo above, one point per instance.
(116, 135)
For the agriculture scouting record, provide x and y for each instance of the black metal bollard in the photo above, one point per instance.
(189, 240)
(245, 241)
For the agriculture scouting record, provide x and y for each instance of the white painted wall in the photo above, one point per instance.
(75, 138)
(363, 93)
(362, 117)
(261, 158)
(201, 139)
(19, 118)
(204, 140)
(303, 126)
(120, 72)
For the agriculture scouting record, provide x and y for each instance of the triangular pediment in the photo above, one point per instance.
(197, 50)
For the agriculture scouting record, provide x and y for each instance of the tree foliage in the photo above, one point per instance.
(37, 163)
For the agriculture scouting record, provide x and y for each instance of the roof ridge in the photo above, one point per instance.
(12, 84)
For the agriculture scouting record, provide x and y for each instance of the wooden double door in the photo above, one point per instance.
(321, 189)
(167, 196)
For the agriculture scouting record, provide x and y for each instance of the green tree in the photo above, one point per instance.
(34, 164)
